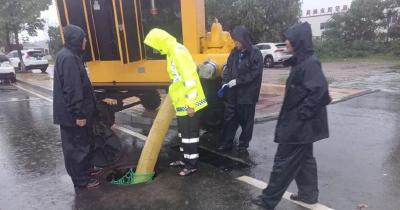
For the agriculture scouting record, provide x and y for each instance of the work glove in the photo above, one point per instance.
(221, 92)
(232, 83)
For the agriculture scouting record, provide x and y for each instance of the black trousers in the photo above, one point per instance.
(77, 149)
(188, 128)
(292, 161)
(235, 115)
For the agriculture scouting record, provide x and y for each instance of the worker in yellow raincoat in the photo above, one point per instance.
(186, 93)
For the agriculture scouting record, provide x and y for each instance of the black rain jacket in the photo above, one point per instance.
(246, 67)
(73, 93)
(303, 118)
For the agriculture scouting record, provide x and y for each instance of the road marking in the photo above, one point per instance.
(131, 132)
(34, 93)
(19, 100)
(262, 185)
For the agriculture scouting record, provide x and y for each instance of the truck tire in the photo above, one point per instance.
(150, 99)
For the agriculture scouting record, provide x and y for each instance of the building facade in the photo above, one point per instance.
(318, 18)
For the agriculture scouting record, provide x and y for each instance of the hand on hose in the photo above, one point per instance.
(81, 122)
(190, 112)
(232, 83)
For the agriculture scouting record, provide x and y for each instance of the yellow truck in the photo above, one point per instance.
(121, 66)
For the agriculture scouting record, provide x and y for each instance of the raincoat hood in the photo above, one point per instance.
(160, 40)
(241, 34)
(73, 37)
(300, 37)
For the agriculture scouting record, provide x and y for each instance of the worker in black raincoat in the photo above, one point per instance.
(243, 76)
(74, 106)
(302, 121)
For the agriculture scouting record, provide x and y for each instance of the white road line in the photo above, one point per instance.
(131, 132)
(20, 100)
(261, 185)
(34, 93)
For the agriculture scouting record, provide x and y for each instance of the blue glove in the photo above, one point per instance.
(221, 92)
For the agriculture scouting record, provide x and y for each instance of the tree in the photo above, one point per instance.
(266, 19)
(361, 22)
(21, 15)
(391, 20)
(55, 42)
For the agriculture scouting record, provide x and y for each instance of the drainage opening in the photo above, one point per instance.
(125, 175)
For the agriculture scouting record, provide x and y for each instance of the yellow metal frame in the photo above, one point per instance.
(59, 20)
(88, 29)
(146, 71)
(150, 71)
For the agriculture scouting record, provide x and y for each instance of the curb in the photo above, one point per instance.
(363, 93)
(275, 116)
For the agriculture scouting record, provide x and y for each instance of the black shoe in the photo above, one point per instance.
(260, 202)
(224, 149)
(296, 197)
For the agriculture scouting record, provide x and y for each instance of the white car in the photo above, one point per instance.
(7, 71)
(273, 53)
(33, 59)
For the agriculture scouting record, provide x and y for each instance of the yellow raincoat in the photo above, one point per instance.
(186, 90)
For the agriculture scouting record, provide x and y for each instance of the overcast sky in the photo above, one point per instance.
(51, 17)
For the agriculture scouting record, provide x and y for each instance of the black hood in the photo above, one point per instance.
(73, 37)
(300, 37)
(241, 34)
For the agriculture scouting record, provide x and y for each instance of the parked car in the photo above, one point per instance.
(33, 59)
(273, 53)
(7, 71)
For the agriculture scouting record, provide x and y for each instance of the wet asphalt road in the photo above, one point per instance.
(358, 164)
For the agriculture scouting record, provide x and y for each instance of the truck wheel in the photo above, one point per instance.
(43, 70)
(151, 99)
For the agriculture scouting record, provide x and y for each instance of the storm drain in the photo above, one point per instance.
(125, 175)
(218, 160)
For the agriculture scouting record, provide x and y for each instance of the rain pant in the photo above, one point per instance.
(246, 66)
(73, 99)
(302, 121)
(185, 91)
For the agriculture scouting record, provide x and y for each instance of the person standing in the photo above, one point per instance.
(302, 121)
(73, 107)
(243, 76)
(186, 93)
